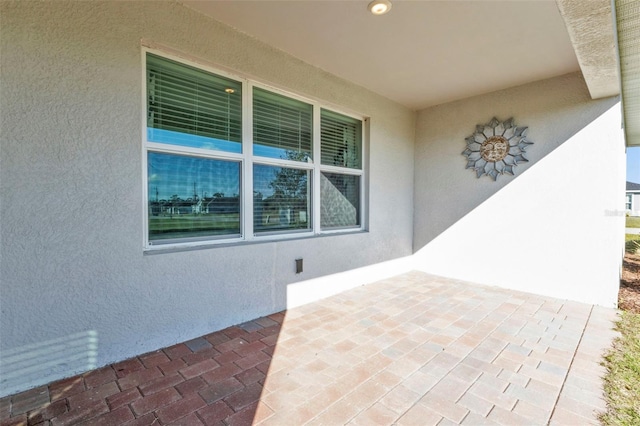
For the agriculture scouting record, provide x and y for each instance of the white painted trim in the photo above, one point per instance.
(191, 61)
(193, 152)
(317, 211)
(248, 160)
(364, 190)
(143, 149)
(246, 180)
(341, 170)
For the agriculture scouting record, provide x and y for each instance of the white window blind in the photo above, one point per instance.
(341, 143)
(282, 126)
(217, 169)
(190, 107)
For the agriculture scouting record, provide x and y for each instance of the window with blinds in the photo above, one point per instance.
(190, 107)
(220, 167)
(281, 126)
(341, 140)
(340, 148)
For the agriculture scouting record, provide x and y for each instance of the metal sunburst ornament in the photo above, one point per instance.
(496, 148)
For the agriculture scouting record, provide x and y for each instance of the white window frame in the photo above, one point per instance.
(247, 161)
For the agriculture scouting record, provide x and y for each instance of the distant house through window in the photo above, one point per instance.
(228, 159)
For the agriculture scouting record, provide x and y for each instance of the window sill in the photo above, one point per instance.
(219, 245)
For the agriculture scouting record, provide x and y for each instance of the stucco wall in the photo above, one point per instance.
(556, 227)
(77, 291)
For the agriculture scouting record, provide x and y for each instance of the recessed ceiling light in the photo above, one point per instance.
(379, 7)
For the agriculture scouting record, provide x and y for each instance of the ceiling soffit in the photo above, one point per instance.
(628, 32)
(590, 27)
(421, 53)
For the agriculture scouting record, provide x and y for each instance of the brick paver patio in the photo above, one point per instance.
(411, 350)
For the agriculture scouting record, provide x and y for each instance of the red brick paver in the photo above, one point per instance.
(415, 349)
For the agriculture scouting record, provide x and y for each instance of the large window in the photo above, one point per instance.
(229, 160)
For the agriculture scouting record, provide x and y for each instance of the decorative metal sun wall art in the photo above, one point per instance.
(496, 148)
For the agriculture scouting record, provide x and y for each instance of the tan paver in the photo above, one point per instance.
(411, 350)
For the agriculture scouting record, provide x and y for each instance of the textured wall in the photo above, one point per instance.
(77, 291)
(73, 273)
(556, 227)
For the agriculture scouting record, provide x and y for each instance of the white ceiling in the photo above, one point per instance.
(421, 53)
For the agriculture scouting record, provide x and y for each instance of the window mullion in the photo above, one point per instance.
(247, 149)
(145, 176)
(315, 200)
(173, 149)
(364, 184)
(282, 163)
(342, 170)
(198, 152)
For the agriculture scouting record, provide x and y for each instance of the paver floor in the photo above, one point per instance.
(411, 350)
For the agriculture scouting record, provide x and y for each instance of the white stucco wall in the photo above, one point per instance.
(77, 291)
(556, 228)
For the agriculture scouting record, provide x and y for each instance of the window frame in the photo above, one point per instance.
(247, 160)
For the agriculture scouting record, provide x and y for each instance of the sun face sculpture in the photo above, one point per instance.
(496, 148)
